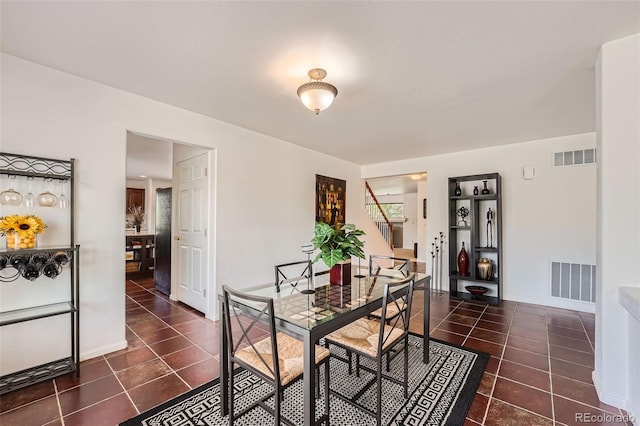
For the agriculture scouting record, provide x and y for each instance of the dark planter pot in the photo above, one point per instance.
(340, 273)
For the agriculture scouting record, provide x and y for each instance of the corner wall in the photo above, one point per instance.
(616, 374)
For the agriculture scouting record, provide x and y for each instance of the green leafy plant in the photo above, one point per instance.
(337, 243)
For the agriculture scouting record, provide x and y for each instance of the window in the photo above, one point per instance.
(394, 211)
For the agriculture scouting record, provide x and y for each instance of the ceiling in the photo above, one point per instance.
(148, 158)
(415, 78)
(395, 185)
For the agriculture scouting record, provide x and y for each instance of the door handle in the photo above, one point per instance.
(176, 237)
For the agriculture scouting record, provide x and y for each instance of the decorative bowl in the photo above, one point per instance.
(476, 290)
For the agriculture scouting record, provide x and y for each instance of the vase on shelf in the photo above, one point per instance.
(137, 225)
(16, 242)
(340, 273)
(463, 261)
(485, 190)
(458, 191)
(485, 269)
(475, 190)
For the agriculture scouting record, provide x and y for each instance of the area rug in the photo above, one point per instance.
(440, 393)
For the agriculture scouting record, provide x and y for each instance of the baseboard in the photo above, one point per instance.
(607, 398)
(589, 308)
(634, 413)
(103, 350)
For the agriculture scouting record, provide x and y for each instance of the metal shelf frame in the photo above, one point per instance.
(47, 169)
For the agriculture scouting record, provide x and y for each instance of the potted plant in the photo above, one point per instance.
(337, 245)
(136, 213)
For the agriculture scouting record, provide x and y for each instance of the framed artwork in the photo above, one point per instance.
(330, 200)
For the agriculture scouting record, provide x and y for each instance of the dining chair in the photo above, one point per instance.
(276, 359)
(293, 273)
(388, 265)
(373, 339)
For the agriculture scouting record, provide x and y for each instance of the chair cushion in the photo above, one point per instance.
(290, 356)
(363, 334)
(392, 310)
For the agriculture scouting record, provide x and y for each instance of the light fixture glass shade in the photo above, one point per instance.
(317, 95)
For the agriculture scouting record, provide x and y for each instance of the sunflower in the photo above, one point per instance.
(25, 226)
(8, 224)
(41, 225)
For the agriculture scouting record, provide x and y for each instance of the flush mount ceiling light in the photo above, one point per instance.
(317, 95)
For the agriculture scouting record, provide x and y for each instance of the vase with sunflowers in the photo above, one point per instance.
(21, 230)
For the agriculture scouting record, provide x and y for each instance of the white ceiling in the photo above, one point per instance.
(415, 78)
(395, 185)
(148, 158)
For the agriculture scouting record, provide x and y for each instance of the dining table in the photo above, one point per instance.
(312, 309)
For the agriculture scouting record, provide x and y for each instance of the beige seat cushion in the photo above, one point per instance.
(392, 310)
(290, 353)
(363, 334)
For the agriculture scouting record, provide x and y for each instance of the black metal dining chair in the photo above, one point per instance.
(293, 273)
(388, 265)
(276, 359)
(373, 339)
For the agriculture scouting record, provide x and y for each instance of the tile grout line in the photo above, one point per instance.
(493, 387)
(181, 334)
(55, 389)
(126, 392)
(553, 405)
(157, 355)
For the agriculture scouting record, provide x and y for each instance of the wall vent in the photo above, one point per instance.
(573, 281)
(574, 158)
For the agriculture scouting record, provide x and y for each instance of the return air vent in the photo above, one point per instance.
(573, 281)
(574, 158)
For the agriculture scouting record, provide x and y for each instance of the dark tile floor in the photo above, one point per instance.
(539, 372)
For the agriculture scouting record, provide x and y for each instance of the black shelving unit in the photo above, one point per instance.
(140, 259)
(60, 257)
(478, 244)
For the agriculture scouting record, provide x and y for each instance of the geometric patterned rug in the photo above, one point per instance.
(440, 393)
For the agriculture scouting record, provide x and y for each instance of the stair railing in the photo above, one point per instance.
(377, 214)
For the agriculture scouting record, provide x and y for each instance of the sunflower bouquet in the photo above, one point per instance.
(21, 231)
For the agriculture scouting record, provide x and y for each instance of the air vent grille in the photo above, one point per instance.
(573, 281)
(574, 158)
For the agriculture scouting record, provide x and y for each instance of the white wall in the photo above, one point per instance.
(550, 218)
(264, 186)
(410, 234)
(618, 229)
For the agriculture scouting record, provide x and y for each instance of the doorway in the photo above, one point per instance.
(151, 164)
(402, 197)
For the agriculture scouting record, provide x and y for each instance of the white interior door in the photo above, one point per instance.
(193, 214)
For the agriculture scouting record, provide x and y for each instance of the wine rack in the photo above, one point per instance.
(43, 263)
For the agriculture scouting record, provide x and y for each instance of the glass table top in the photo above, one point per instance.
(328, 301)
